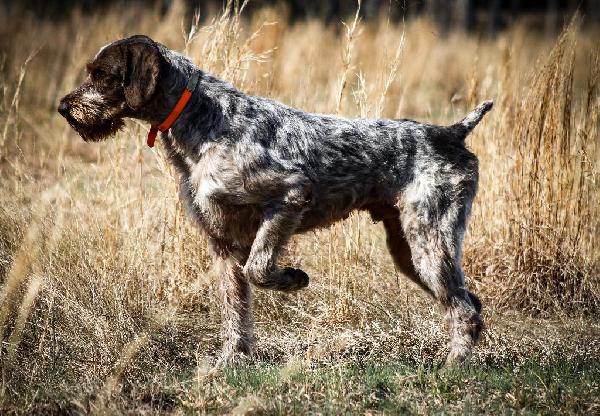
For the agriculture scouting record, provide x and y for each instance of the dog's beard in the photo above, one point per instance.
(99, 131)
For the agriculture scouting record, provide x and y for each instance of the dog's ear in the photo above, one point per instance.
(142, 68)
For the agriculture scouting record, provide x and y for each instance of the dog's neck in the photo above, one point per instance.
(205, 116)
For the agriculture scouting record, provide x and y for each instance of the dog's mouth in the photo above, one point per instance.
(97, 132)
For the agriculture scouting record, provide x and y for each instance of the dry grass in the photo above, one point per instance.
(105, 295)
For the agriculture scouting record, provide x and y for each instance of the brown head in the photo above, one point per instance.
(121, 79)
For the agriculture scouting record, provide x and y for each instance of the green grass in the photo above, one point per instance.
(561, 387)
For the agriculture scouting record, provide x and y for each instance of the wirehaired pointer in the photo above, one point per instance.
(254, 172)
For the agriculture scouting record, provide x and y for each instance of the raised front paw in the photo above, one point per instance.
(292, 279)
(287, 279)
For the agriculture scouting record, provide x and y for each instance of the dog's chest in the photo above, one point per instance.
(213, 195)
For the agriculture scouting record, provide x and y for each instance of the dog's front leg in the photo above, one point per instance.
(279, 224)
(237, 302)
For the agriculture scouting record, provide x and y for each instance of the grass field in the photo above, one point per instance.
(107, 302)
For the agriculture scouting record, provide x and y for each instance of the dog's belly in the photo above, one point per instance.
(335, 204)
(319, 218)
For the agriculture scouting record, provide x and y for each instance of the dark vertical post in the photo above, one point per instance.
(440, 10)
(515, 9)
(494, 15)
(593, 12)
(465, 14)
(551, 17)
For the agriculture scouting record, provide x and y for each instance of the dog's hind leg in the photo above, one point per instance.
(434, 234)
(400, 250)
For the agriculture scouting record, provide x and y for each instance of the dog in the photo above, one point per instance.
(254, 172)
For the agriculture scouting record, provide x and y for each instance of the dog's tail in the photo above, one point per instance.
(467, 124)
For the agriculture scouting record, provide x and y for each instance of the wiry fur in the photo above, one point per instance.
(254, 172)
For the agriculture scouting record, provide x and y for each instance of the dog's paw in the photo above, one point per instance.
(457, 359)
(287, 279)
(233, 355)
(292, 279)
(227, 358)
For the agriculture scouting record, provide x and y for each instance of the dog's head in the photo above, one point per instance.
(121, 78)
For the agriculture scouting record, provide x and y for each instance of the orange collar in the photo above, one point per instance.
(176, 111)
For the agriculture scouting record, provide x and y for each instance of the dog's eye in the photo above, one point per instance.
(98, 73)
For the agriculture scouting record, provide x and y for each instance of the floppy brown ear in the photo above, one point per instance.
(141, 73)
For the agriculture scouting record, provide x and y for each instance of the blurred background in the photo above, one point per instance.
(479, 16)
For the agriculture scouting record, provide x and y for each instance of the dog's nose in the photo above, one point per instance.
(63, 108)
